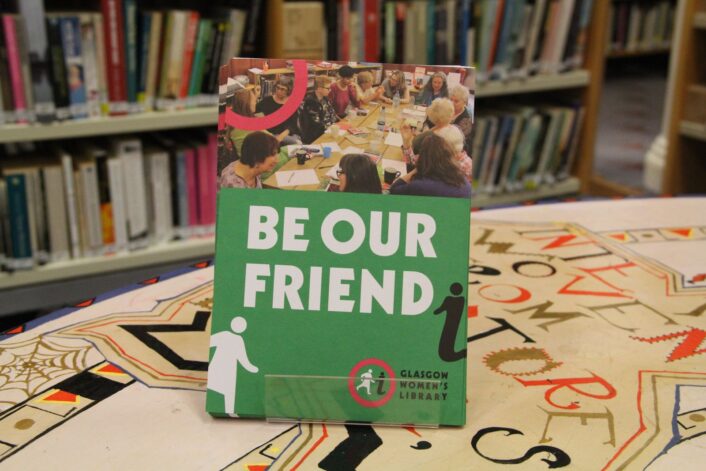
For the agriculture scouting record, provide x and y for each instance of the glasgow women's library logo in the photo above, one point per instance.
(371, 382)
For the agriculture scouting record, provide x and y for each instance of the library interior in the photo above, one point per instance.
(576, 128)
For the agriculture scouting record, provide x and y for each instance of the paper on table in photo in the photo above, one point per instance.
(292, 148)
(297, 177)
(394, 139)
(396, 164)
(414, 113)
(356, 140)
(332, 172)
(352, 150)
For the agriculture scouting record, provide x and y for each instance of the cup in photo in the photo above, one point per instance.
(390, 174)
(302, 156)
(327, 152)
(334, 130)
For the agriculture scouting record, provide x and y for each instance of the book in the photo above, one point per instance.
(20, 255)
(114, 34)
(22, 113)
(38, 46)
(55, 203)
(265, 290)
(74, 60)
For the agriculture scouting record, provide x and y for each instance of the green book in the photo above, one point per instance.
(340, 307)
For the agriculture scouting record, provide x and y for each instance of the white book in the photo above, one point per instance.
(634, 27)
(71, 204)
(235, 38)
(101, 66)
(90, 63)
(130, 153)
(90, 206)
(161, 190)
(55, 201)
(535, 27)
(557, 50)
(117, 201)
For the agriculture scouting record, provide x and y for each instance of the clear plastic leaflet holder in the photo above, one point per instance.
(341, 399)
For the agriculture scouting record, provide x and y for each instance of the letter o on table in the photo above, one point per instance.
(347, 216)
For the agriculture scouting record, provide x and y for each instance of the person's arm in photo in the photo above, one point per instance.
(405, 99)
(353, 94)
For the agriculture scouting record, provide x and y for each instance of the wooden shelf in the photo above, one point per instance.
(564, 188)
(693, 130)
(700, 20)
(84, 267)
(638, 53)
(152, 121)
(537, 83)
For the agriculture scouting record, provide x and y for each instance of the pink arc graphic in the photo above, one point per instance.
(281, 115)
(353, 377)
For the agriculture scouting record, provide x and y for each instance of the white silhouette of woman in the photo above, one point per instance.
(223, 370)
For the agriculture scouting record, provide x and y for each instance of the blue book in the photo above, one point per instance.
(73, 57)
(464, 23)
(18, 213)
(144, 42)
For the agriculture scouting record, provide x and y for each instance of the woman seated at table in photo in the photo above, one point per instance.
(270, 104)
(435, 88)
(459, 97)
(439, 115)
(317, 113)
(436, 173)
(395, 84)
(453, 135)
(358, 174)
(245, 104)
(343, 92)
(260, 154)
(367, 93)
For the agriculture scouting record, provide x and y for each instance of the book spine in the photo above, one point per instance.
(253, 27)
(19, 220)
(212, 177)
(33, 13)
(135, 191)
(22, 44)
(101, 68)
(130, 38)
(430, 28)
(105, 202)
(372, 30)
(90, 62)
(182, 192)
(58, 69)
(203, 169)
(153, 59)
(115, 55)
(117, 199)
(7, 109)
(71, 41)
(91, 207)
(202, 47)
(15, 69)
(192, 25)
(344, 20)
(192, 186)
(143, 43)
(161, 197)
(71, 205)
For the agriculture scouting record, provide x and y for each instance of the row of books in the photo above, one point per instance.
(502, 38)
(518, 148)
(96, 198)
(116, 60)
(636, 25)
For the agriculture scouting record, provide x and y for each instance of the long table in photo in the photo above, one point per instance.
(323, 165)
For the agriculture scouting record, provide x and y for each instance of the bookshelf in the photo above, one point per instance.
(685, 166)
(583, 84)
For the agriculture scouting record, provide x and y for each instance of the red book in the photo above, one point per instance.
(192, 26)
(204, 173)
(372, 30)
(14, 63)
(212, 176)
(192, 185)
(344, 28)
(115, 55)
(497, 27)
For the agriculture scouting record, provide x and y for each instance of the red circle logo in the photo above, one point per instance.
(366, 378)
